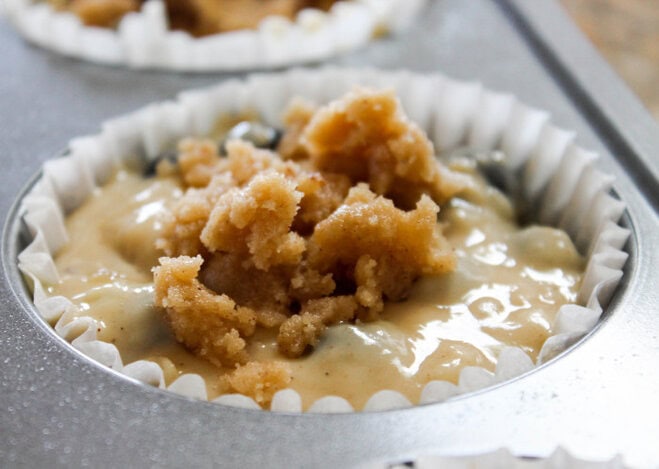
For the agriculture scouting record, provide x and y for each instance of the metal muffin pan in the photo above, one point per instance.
(597, 400)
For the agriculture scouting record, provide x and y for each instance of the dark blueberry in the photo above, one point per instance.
(260, 135)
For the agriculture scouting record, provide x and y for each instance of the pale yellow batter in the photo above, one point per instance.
(508, 286)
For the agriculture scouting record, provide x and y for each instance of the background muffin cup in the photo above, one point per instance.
(558, 181)
(143, 39)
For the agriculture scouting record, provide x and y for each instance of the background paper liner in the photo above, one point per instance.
(143, 39)
(556, 175)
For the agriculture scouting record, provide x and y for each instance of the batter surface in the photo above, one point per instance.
(323, 268)
(507, 287)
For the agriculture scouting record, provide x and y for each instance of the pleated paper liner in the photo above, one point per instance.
(556, 176)
(143, 39)
(499, 459)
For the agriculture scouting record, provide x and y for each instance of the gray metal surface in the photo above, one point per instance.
(598, 400)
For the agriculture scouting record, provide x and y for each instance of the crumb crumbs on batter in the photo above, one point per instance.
(340, 220)
(197, 17)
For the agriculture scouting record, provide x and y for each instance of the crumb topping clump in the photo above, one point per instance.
(341, 219)
(197, 17)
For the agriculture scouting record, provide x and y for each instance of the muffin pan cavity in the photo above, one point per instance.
(557, 181)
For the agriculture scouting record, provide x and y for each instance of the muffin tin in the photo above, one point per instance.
(595, 401)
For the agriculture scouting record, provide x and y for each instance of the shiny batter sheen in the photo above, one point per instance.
(508, 286)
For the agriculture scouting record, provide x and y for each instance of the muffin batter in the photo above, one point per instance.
(400, 334)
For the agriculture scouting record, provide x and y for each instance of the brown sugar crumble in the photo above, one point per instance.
(341, 219)
(197, 17)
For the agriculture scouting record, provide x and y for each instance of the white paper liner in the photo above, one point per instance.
(571, 193)
(143, 40)
(499, 459)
